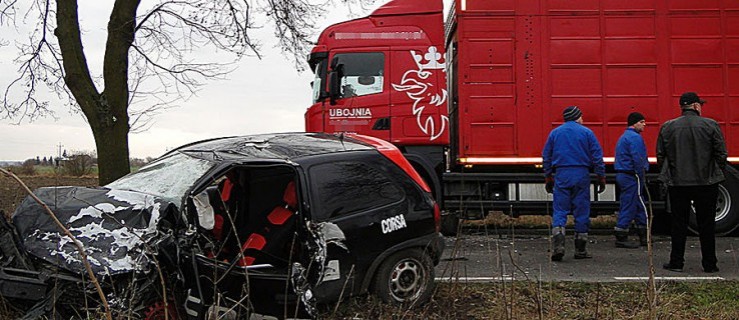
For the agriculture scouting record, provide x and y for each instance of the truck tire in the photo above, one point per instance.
(727, 205)
(449, 224)
(405, 278)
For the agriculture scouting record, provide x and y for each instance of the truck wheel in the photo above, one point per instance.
(449, 224)
(406, 277)
(727, 205)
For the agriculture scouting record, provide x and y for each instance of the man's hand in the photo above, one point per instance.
(549, 184)
(601, 184)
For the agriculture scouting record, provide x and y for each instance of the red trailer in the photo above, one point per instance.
(471, 102)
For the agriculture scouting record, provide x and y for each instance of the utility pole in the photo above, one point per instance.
(59, 155)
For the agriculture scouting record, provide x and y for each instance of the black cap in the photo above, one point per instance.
(571, 113)
(689, 98)
(634, 117)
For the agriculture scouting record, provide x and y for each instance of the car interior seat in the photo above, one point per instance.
(270, 244)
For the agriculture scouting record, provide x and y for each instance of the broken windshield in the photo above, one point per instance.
(168, 178)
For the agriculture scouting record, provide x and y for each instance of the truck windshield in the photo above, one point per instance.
(318, 81)
(168, 177)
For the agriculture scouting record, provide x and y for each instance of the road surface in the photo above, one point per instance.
(486, 258)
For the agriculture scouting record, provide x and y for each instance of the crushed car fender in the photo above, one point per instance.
(119, 224)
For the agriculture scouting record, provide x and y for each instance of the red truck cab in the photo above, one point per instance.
(390, 75)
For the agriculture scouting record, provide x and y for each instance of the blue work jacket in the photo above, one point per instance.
(631, 153)
(573, 145)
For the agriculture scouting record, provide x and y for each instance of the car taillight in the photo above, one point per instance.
(437, 217)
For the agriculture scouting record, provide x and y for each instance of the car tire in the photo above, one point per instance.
(406, 277)
(727, 205)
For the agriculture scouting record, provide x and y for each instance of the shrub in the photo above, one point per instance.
(79, 164)
(28, 168)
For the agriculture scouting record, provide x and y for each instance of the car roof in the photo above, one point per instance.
(283, 146)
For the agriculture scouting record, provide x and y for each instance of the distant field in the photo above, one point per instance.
(11, 193)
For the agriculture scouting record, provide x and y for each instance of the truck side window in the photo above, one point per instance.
(363, 73)
(349, 186)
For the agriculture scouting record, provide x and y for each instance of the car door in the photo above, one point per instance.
(363, 210)
(220, 279)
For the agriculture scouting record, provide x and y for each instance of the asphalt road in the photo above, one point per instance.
(486, 258)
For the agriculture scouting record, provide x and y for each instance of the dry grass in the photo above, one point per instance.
(11, 193)
(561, 300)
(501, 220)
(530, 300)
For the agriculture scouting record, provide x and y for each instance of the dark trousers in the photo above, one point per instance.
(704, 201)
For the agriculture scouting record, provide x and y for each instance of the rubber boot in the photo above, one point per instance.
(642, 232)
(581, 241)
(558, 243)
(622, 239)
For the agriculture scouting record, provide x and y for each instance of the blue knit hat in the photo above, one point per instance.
(572, 113)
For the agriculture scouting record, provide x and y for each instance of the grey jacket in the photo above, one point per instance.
(691, 151)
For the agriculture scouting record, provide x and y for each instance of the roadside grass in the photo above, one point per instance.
(556, 300)
(536, 300)
(501, 220)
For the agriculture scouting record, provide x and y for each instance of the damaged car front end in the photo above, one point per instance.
(270, 224)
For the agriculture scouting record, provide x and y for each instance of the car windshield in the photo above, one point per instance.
(168, 177)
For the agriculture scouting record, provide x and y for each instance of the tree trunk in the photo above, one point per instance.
(112, 150)
(107, 112)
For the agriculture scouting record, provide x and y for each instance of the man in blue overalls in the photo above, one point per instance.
(571, 151)
(631, 165)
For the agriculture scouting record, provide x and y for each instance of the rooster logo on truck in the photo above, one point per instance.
(416, 84)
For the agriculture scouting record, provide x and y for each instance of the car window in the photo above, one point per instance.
(350, 186)
(168, 177)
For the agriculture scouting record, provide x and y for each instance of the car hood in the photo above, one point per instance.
(113, 226)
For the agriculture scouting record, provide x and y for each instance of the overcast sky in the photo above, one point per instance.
(266, 95)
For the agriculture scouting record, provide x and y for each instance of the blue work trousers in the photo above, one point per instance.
(632, 206)
(572, 195)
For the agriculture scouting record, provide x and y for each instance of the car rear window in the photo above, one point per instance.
(345, 187)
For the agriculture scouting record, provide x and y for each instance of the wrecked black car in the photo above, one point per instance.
(277, 224)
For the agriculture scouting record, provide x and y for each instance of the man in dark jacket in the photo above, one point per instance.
(631, 164)
(570, 153)
(692, 155)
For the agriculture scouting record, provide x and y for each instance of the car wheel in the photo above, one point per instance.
(405, 277)
(727, 205)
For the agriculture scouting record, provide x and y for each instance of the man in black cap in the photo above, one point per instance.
(631, 164)
(571, 151)
(692, 155)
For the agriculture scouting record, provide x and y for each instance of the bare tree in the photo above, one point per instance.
(147, 58)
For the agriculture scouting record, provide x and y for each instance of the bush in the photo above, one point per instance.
(28, 168)
(79, 164)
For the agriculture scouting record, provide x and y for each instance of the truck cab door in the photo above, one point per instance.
(360, 102)
(419, 96)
